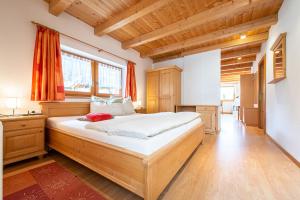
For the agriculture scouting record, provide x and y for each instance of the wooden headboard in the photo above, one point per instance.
(59, 109)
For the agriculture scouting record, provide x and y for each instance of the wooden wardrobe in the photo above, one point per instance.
(163, 89)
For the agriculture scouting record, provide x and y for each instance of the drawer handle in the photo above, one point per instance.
(23, 125)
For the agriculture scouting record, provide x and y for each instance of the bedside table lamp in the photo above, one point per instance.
(12, 103)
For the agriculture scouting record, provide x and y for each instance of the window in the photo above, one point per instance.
(77, 72)
(227, 93)
(81, 74)
(110, 80)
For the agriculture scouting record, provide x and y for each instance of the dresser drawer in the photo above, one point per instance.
(23, 124)
(22, 142)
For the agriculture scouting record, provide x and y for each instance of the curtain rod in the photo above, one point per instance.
(99, 50)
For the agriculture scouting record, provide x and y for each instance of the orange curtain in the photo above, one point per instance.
(130, 82)
(47, 75)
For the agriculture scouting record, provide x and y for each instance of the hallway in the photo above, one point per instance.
(239, 163)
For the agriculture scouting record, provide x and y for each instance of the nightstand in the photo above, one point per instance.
(140, 110)
(23, 137)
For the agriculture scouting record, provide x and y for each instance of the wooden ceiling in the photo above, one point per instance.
(164, 29)
(237, 61)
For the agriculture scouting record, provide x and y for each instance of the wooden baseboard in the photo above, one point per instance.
(294, 160)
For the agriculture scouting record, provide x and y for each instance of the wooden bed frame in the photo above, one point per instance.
(146, 176)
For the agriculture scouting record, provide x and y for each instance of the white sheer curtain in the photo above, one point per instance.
(77, 72)
(110, 79)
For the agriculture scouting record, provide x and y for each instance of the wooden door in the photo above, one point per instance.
(262, 94)
(153, 92)
(166, 93)
(246, 94)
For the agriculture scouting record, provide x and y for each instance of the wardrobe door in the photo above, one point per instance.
(153, 92)
(166, 100)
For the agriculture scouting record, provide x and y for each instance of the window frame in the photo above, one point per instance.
(94, 87)
(234, 94)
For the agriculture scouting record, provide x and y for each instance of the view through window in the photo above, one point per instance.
(82, 74)
(227, 93)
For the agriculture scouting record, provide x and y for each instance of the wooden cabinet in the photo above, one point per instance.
(210, 115)
(163, 89)
(248, 96)
(23, 137)
(250, 116)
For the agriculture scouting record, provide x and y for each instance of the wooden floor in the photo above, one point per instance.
(239, 163)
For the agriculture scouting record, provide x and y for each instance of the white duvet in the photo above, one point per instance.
(143, 126)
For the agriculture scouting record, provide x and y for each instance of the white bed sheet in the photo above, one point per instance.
(146, 147)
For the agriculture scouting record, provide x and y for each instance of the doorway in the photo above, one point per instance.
(262, 94)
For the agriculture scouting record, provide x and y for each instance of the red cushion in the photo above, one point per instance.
(95, 117)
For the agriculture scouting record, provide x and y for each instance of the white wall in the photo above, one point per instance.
(200, 77)
(18, 38)
(283, 98)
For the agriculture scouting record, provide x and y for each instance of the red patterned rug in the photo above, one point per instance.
(44, 182)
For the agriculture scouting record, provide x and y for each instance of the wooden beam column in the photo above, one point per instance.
(56, 7)
(138, 10)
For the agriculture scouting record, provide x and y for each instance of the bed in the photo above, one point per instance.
(144, 168)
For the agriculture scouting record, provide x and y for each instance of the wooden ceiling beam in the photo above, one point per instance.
(254, 39)
(223, 33)
(236, 73)
(238, 66)
(240, 53)
(236, 80)
(184, 24)
(136, 11)
(235, 61)
(56, 7)
(230, 80)
(236, 70)
(233, 76)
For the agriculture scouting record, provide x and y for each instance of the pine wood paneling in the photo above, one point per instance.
(169, 28)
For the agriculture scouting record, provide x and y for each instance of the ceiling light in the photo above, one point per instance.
(243, 36)
(239, 58)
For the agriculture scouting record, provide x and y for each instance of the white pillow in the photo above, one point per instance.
(99, 99)
(113, 109)
(128, 108)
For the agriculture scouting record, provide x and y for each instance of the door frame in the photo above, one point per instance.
(263, 59)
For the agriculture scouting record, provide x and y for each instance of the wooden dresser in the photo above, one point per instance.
(163, 89)
(23, 137)
(210, 114)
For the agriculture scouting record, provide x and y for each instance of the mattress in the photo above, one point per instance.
(73, 126)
